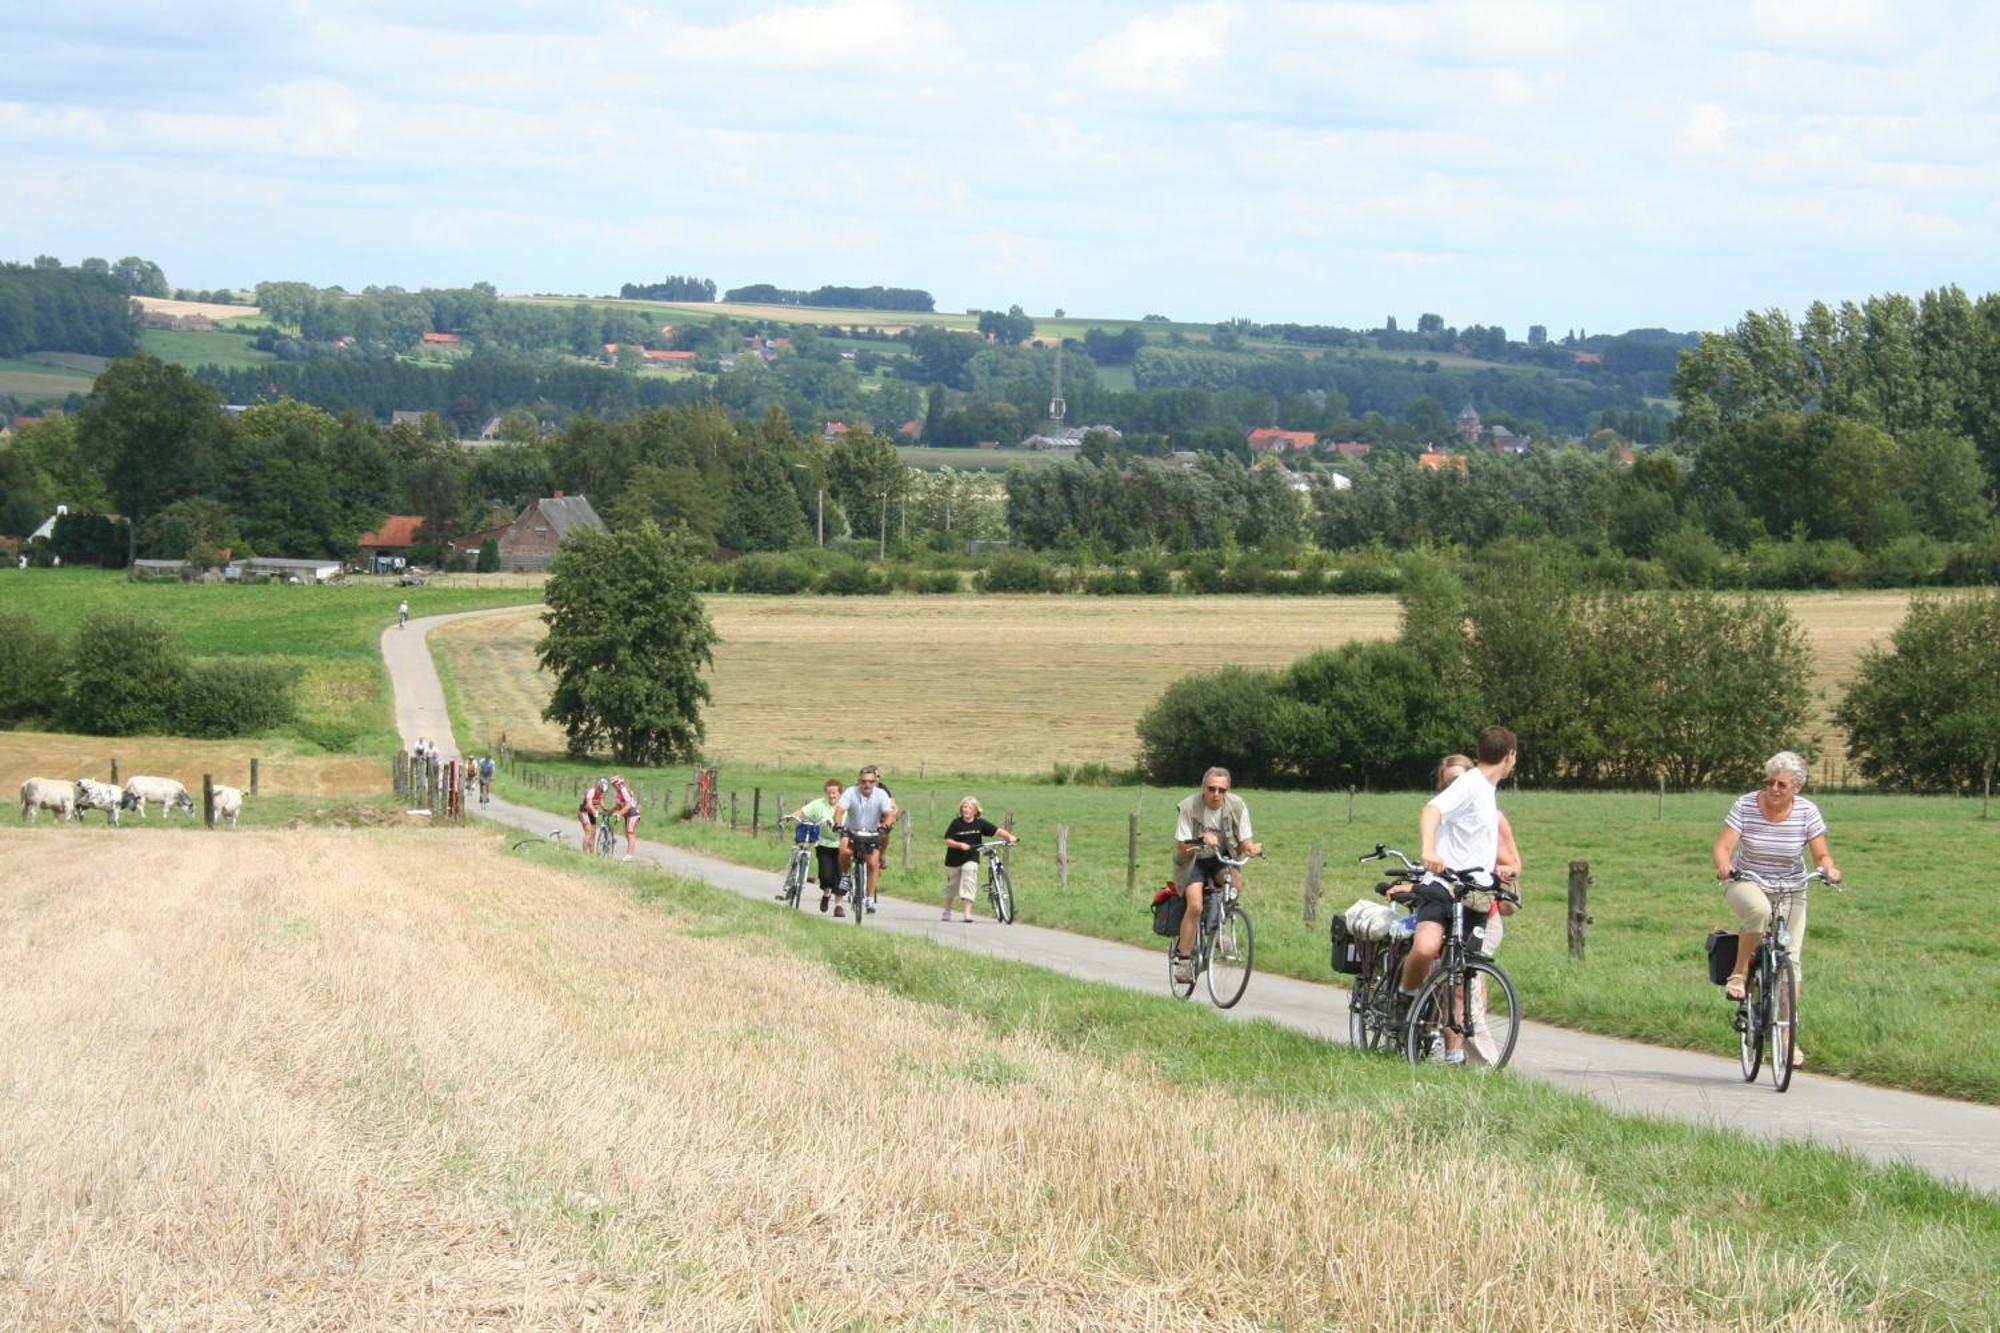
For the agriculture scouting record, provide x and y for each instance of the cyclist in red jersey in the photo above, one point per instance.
(627, 804)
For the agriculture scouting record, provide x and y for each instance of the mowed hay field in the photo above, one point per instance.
(307, 1080)
(1000, 684)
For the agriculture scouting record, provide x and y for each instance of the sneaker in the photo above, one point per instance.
(1184, 969)
(1456, 1057)
(781, 895)
(840, 909)
(628, 857)
(871, 907)
(824, 899)
(966, 919)
(947, 917)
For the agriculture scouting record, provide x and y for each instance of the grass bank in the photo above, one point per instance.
(1810, 1235)
(1884, 961)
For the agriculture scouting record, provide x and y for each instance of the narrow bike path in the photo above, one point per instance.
(1955, 1140)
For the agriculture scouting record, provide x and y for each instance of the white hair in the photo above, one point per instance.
(1784, 761)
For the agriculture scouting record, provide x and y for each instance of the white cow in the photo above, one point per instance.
(170, 795)
(228, 804)
(105, 796)
(39, 794)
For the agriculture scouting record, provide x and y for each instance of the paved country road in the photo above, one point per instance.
(1956, 1140)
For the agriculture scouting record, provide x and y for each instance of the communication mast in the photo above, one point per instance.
(1057, 408)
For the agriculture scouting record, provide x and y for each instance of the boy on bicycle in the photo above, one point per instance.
(1212, 821)
(866, 814)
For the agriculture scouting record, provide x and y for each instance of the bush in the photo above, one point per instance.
(1914, 561)
(1112, 583)
(1926, 713)
(1690, 558)
(1155, 577)
(125, 677)
(1224, 717)
(234, 698)
(1016, 571)
(770, 572)
(333, 737)
(1203, 573)
(1371, 570)
(489, 557)
(31, 669)
(852, 579)
(936, 582)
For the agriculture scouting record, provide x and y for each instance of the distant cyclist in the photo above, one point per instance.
(402, 615)
(865, 815)
(626, 803)
(486, 780)
(590, 811)
(827, 849)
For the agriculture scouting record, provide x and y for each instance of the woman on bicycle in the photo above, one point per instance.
(827, 850)
(962, 838)
(627, 805)
(1769, 830)
(589, 811)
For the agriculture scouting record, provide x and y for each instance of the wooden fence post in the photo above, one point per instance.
(732, 812)
(1579, 906)
(1660, 805)
(253, 775)
(1062, 855)
(905, 825)
(1315, 865)
(114, 770)
(778, 813)
(1131, 853)
(208, 799)
(1350, 803)
(756, 809)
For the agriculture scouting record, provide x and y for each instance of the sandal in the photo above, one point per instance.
(1734, 987)
(1798, 1058)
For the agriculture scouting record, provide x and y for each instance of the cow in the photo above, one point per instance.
(39, 794)
(228, 804)
(103, 796)
(170, 795)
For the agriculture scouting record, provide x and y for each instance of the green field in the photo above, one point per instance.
(328, 633)
(39, 381)
(1879, 973)
(1887, 1247)
(968, 460)
(201, 347)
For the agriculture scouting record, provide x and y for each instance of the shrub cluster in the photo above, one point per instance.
(124, 675)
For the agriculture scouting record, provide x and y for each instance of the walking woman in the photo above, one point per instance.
(1769, 830)
(962, 838)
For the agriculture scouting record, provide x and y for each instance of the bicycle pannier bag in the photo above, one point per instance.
(1721, 956)
(1347, 950)
(1168, 908)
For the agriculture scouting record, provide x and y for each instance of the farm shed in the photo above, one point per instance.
(257, 569)
(531, 541)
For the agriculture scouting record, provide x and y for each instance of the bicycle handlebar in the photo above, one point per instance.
(1461, 882)
(989, 848)
(1771, 886)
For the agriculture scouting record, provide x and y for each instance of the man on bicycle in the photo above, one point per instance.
(589, 811)
(486, 779)
(1461, 831)
(865, 814)
(402, 614)
(826, 851)
(627, 804)
(1214, 821)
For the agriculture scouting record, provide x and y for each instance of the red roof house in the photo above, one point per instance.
(1352, 448)
(395, 537)
(443, 339)
(1436, 460)
(1269, 439)
(670, 358)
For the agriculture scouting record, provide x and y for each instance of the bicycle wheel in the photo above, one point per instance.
(1364, 1025)
(1784, 1019)
(1177, 988)
(1494, 1011)
(1750, 1020)
(1232, 951)
(795, 883)
(1441, 1019)
(1000, 894)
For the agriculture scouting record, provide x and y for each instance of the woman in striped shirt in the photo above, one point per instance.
(1768, 831)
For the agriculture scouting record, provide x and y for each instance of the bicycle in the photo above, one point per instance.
(1456, 1000)
(805, 839)
(606, 842)
(1225, 947)
(854, 879)
(999, 888)
(1769, 1009)
(1371, 1000)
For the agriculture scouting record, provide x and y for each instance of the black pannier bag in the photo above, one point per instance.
(1721, 956)
(1168, 907)
(1348, 952)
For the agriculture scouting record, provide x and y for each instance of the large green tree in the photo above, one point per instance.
(627, 641)
(157, 429)
(1926, 712)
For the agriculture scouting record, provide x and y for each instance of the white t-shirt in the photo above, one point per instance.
(1468, 836)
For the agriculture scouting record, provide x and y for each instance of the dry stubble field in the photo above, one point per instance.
(39, 754)
(307, 1080)
(999, 684)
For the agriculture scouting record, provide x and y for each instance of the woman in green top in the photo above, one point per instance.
(820, 812)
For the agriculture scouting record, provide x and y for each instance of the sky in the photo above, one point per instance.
(1515, 162)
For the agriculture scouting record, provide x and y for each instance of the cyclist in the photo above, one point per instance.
(827, 850)
(402, 615)
(1769, 831)
(865, 814)
(1461, 830)
(486, 780)
(962, 839)
(590, 811)
(1211, 821)
(628, 806)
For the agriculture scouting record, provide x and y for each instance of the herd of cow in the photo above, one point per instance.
(71, 800)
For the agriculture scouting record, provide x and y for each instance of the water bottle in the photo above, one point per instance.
(1403, 927)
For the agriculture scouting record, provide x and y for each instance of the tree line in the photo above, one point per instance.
(673, 287)
(847, 298)
(46, 307)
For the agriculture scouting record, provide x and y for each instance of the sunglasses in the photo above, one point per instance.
(1223, 790)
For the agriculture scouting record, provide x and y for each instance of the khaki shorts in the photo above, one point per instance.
(962, 880)
(1753, 910)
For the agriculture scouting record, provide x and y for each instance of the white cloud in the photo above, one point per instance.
(1156, 54)
(1852, 27)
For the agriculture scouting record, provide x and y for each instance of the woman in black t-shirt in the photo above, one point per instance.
(961, 856)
